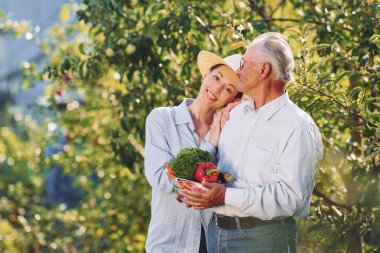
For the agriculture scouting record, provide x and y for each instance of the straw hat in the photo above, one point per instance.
(206, 60)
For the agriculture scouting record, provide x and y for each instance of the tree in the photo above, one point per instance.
(120, 59)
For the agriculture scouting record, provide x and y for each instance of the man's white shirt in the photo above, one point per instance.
(274, 153)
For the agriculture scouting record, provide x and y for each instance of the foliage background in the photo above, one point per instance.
(111, 62)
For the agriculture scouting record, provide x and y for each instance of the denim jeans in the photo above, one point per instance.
(272, 238)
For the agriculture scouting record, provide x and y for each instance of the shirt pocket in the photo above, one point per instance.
(259, 164)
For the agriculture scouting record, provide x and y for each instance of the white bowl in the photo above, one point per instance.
(180, 184)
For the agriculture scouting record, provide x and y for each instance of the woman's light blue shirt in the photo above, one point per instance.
(173, 227)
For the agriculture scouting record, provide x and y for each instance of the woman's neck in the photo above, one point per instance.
(201, 115)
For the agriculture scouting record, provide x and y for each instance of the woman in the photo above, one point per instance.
(173, 226)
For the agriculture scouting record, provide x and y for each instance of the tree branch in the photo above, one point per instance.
(255, 7)
(329, 201)
(260, 11)
(283, 2)
(344, 106)
(290, 20)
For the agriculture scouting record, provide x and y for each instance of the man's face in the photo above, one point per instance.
(249, 71)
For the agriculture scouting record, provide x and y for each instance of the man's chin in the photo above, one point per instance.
(240, 88)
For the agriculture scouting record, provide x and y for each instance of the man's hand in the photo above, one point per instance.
(199, 200)
(178, 198)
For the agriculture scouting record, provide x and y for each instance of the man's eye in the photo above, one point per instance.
(216, 78)
(228, 90)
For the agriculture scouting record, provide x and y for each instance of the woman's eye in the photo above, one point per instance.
(216, 78)
(228, 90)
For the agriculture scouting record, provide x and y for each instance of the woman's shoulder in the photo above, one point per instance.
(160, 114)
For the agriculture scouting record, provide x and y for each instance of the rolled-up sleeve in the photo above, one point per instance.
(291, 182)
(157, 152)
(207, 146)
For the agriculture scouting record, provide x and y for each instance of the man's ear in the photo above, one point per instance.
(266, 70)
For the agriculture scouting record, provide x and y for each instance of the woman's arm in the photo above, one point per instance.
(219, 121)
(157, 152)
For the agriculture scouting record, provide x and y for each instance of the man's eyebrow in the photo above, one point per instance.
(219, 73)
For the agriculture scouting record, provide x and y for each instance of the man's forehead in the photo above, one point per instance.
(251, 52)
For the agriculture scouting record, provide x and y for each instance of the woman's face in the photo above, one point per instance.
(219, 87)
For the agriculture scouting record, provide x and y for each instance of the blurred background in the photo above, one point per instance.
(13, 53)
(77, 79)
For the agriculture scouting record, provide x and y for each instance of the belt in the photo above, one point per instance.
(227, 222)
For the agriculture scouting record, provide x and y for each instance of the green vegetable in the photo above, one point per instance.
(187, 160)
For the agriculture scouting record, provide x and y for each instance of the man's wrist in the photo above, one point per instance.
(221, 200)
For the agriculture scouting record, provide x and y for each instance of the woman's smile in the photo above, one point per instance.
(210, 95)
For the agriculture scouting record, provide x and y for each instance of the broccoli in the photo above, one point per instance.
(187, 161)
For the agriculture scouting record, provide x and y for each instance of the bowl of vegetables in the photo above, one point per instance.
(191, 167)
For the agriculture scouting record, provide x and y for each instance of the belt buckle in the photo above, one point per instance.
(216, 220)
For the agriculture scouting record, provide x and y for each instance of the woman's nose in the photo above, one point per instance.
(219, 86)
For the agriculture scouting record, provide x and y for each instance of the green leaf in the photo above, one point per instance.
(237, 45)
(318, 47)
(375, 38)
(360, 98)
(82, 48)
(65, 65)
(305, 30)
(82, 70)
(228, 32)
(340, 76)
(355, 91)
(293, 29)
(311, 66)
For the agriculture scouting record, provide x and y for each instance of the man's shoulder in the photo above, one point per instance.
(239, 109)
(295, 116)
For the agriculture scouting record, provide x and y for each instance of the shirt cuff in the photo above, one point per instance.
(233, 197)
(207, 146)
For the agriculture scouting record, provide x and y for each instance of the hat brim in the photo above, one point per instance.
(206, 60)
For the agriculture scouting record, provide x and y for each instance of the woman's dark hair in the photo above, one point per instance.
(216, 66)
(239, 94)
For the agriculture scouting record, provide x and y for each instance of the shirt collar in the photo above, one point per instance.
(270, 109)
(181, 112)
(248, 107)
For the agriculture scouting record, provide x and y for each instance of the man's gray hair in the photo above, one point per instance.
(275, 49)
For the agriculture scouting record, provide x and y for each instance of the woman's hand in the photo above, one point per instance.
(219, 121)
(216, 129)
(226, 111)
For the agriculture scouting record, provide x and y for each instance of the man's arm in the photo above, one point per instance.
(290, 186)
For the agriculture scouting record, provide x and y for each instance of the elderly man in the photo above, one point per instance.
(273, 149)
